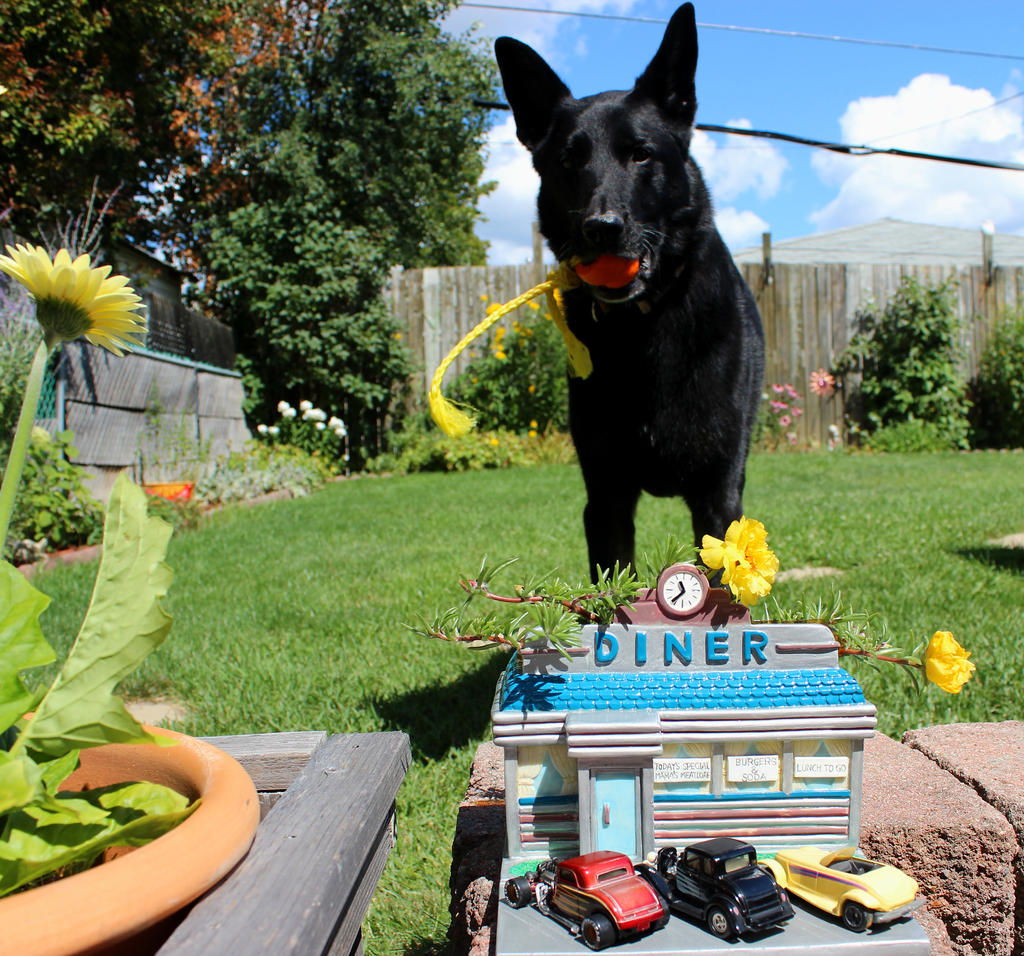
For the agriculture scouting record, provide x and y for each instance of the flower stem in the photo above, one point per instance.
(22, 434)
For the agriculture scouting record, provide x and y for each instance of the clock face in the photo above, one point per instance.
(682, 590)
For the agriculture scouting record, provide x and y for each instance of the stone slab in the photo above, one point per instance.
(988, 758)
(921, 818)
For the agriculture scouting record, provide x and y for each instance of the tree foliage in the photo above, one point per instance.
(340, 141)
(92, 92)
(286, 152)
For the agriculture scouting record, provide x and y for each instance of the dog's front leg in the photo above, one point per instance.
(608, 523)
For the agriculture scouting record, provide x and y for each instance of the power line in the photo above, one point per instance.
(844, 148)
(764, 31)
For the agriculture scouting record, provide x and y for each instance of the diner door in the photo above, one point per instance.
(615, 805)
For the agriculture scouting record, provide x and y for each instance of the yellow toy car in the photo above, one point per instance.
(860, 892)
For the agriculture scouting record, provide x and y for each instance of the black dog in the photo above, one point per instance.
(678, 353)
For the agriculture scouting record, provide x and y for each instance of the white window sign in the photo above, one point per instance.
(682, 770)
(751, 768)
(821, 766)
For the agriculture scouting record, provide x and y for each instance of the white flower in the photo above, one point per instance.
(283, 406)
(288, 413)
(340, 431)
(305, 406)
(319, 415)
(833, 430)
(274, 430)
(320, 426)
(334, 422)
(262, 429)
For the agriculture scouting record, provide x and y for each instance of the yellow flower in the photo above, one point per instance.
(500, 354)
(73, 299)
(532, 433)
(533, 423)
(531, 389)
(946, 663)
(748, 565)
(494, 440)
(491, 309)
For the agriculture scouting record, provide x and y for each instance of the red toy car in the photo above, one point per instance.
(597, 896)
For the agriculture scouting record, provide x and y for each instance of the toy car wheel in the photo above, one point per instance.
(855, 917)
(666, 861)
(518, 891)
(598, 931)
(718, 922)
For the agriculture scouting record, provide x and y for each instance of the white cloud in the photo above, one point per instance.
(734, 164)
(932, 115)
(740, 228)
(510, 210)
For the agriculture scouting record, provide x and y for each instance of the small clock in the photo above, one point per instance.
(682, 590)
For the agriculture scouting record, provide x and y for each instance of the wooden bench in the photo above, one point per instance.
(328, 824)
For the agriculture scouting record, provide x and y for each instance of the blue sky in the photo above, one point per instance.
(913, 99)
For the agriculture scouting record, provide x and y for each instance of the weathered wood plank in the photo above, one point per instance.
(305, 882)
(272, 760)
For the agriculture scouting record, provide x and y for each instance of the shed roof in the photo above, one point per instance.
(892, 242)
(702, 690)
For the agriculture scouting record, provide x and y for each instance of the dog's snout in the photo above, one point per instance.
(604, 229)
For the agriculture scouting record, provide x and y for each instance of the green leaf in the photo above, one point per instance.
(22, 644)
(123, 624)
(20, 781)
(129, 814)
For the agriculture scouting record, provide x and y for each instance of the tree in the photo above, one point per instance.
(342, 141)
(92, 90)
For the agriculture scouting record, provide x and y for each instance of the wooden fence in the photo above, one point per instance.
(809, 314)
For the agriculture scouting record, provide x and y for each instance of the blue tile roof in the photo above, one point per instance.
(701, 690)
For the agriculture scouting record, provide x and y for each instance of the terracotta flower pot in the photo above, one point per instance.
(171, 490)
(123, 897)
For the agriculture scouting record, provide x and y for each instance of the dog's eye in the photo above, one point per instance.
(640, 153)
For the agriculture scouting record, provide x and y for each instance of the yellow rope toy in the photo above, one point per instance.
(453, 420)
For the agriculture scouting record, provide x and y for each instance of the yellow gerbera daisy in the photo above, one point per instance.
(73, 299)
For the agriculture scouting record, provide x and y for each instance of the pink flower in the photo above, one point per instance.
(792, 437)
(778, 389)
(797, 411)
(790, 391)
(785, 421)
(778, 406)
(822, 383)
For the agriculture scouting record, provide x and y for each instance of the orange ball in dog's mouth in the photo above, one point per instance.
(612, 272)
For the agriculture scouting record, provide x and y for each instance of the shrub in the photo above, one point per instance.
(19, 338)
(310, 429)
(519, 382)
(430, 450)
(997, 418)
(54, 503)
(907, 355)
(776, 422)
(911, 435)
(260, 469)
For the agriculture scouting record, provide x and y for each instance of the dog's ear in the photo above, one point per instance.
(668, 80)
(532, 88)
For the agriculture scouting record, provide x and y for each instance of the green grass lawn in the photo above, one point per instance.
(289, 616)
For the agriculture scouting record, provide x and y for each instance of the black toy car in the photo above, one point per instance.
(720, 883)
